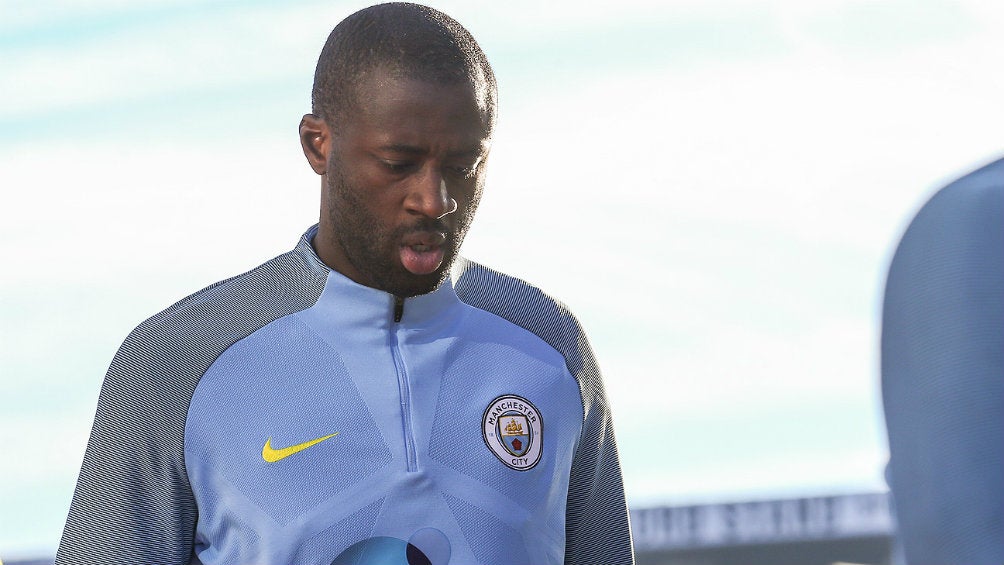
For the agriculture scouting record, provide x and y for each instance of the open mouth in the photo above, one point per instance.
(422, 252)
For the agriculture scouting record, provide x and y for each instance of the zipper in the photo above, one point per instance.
(398, 309)
(404, 388)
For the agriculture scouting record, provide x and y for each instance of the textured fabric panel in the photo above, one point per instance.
(499, 370)
(943, 374)
(475, 522)
(248, 395)
(238, 528)
(596, 522)
(356, 527)
(133, 502)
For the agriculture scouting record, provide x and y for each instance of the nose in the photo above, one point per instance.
(428, 196)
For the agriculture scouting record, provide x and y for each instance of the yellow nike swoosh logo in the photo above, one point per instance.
(272, 455)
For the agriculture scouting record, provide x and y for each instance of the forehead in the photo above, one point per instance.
(401, 110)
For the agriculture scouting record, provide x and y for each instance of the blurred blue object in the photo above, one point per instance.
(943, 374)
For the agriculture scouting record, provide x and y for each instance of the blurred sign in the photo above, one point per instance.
(800, 519)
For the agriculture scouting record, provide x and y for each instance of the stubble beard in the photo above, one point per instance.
(372, 247)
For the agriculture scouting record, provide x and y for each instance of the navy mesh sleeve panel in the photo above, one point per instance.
(133, 503)
(596, 522)
(943, 374)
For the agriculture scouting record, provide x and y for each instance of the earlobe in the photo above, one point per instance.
(315, 138)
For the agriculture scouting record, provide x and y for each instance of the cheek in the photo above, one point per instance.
(472, 194)
(466, 211)
(468, 189)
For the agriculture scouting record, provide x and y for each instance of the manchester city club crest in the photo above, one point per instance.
(513, 431)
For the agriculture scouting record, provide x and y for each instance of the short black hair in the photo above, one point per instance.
(409, 40)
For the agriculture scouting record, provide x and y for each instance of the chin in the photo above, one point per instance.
(406, 284)
(421, 284)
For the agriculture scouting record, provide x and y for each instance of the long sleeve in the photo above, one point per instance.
(132, 502)
(596, 525)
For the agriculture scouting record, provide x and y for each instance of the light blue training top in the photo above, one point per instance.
(290, 415)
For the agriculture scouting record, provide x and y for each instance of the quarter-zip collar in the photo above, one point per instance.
(346, 303)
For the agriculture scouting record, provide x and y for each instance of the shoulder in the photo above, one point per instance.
(942, 304)
(517, 301)
(188, 335)
(530, 308)
(989, 177)
(964, 205)
(957, 231)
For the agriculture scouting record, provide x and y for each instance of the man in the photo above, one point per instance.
(368, 397)
(943, 374)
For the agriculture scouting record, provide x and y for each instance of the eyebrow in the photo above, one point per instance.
(401, 148)
(413, 150)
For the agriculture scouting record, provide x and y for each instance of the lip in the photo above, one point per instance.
(429, 239)
(422, 253)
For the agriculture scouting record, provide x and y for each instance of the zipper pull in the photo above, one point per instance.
(398, 308)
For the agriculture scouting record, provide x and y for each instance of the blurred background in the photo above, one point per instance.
(714, 188)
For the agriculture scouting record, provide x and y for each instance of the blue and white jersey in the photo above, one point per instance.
(290, 415)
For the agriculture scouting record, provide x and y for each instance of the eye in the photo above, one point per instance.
(397, 167)
(463, 171)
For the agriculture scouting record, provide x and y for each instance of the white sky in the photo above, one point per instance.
(713, 187)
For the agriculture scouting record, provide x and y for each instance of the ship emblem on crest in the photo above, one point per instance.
(514, 438)
(513, 431)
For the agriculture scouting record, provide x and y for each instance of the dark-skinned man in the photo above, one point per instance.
(369, 397)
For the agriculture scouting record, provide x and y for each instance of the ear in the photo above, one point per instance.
(315, 138)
